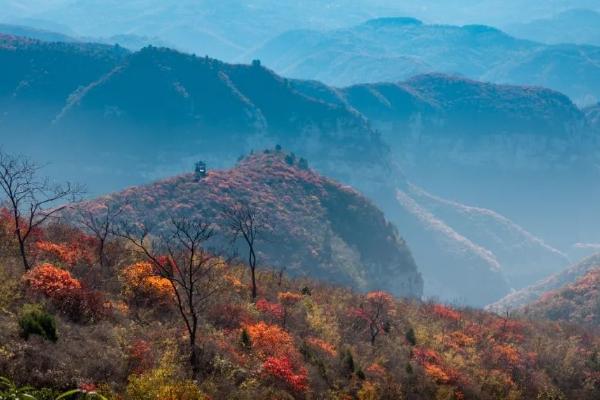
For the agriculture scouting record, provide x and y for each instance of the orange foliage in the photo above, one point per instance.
(141, 284)
(51, 281)
(289, 298)
(78, 251)
(322, 345)
(270, 340)
(436, 373)
(507, 355)
(272, 309)
(446, 312)
(376, 369)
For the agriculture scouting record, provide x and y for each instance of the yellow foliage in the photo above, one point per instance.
(141, 283)
(323, 324)
(368, 391)
(162, 383)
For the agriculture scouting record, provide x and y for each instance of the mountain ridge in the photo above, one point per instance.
(395, 51)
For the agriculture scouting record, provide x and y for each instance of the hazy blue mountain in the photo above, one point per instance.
(579, 26)
(394, 49)
(593, 115)
(228, 29)
(35, 33)
(127, 118)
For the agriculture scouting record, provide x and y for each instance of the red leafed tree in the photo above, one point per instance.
(375, 311)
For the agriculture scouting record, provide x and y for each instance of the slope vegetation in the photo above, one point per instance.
(316, 227)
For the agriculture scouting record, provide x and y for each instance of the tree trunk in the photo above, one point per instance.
(101, 253)
(252, 263)
(252, 272)
(23, 253)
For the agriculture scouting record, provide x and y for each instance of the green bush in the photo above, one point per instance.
(33, 320)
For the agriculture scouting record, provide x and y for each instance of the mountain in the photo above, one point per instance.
(34, 33)
(39, 76)
(489, 145)
(577, 302)
(480, 255)
(153, 113)
(540, 290)
(579, 26)
(317, 227)
(231, 29)
(394, 49)
(129, 41)
(593, 115)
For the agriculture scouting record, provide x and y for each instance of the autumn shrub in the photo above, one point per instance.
(144, 288)
(140, 356)
(282, 370)
(66, 293)
(163, 382)
(78, 251)
(273, 310)
(34, 320)
(270, 340)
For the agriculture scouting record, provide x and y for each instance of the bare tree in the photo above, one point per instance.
(245, 222)
(30, 199)
(100, 224)
(180, 256)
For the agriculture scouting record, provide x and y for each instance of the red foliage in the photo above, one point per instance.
(434, 366)
(446, 312)
(67, 293)
(375, 312)
(282, 369)
(52, 282)
(140, 356)
(271, 309)
(76, 252)
(270, 340)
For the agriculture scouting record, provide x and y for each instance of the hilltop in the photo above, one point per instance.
(317, 227)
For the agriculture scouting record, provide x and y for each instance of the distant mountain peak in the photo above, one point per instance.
(385, 22)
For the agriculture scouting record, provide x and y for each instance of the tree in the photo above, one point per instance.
(376, 311)
(30, 199)
(100, 223)
(179, 256)
(247, 223)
